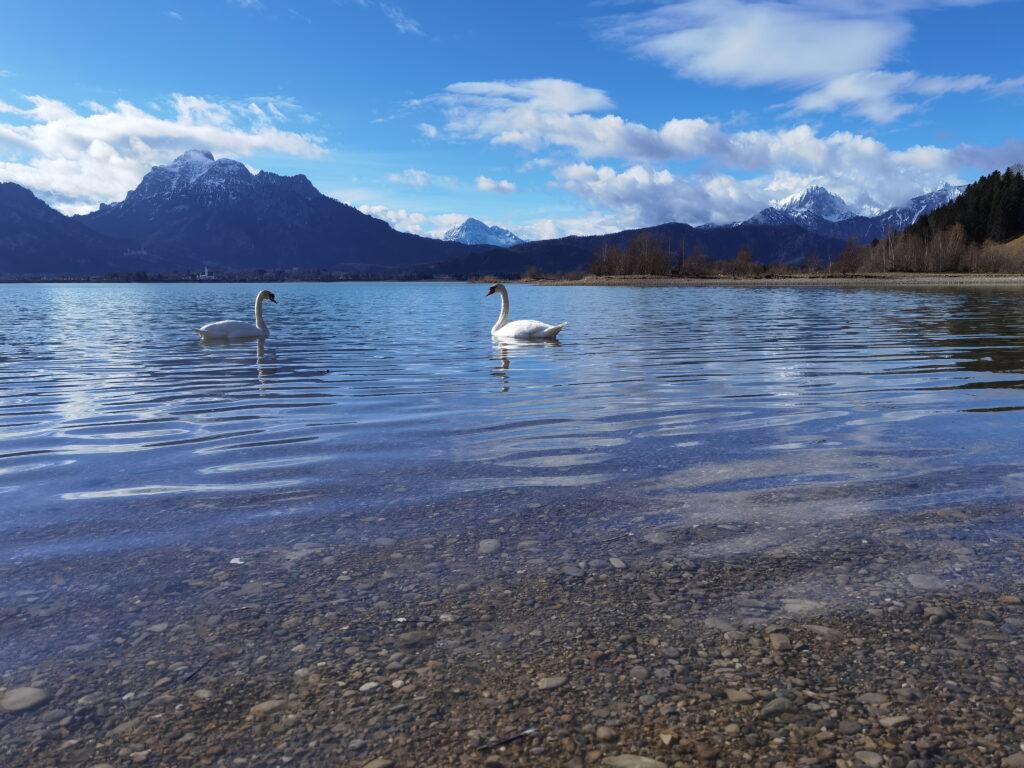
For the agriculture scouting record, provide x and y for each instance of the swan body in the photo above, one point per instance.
(520, 329)
(236, 329)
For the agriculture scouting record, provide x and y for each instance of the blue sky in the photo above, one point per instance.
(546, 118)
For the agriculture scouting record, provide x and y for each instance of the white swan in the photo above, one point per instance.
(520, 329)
(236, 329)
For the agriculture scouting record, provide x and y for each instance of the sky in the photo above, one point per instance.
(547, 118)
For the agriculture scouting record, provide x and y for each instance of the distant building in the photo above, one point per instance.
(206, 275)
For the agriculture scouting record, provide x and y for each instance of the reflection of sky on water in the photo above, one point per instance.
(767, 409)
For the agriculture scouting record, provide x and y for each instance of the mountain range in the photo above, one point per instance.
(819, 211)
(200, 212)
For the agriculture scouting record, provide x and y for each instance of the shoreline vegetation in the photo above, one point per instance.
(878, 279)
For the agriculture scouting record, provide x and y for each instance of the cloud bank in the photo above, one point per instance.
(737, 172)
(834, 53)
(76, 160)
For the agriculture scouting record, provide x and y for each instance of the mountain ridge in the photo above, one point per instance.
(200, 211)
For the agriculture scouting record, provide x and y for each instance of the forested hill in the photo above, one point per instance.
(992, 208)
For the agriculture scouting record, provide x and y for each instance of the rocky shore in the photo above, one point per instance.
(637, 644)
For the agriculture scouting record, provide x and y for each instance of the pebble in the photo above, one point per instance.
(23, 699)
(868, 758)
(777, 706)
(873, 698)
(266, 707)
(779, 641)
(801, 606)
(488, 546)
(1014, 761)
(824, 632)
(547, 683)
(738, 697)
(616, 563)
(632, 761)
(925, 581)
(707, 750)
(892, 722)
(604, 733)
(414, 638)
(639, 673)
(380, 762)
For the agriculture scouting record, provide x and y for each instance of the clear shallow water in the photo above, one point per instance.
(387, 407)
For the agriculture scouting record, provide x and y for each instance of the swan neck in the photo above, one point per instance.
(503, 317)
(259, 316)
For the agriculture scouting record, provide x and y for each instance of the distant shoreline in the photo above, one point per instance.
(775, 282)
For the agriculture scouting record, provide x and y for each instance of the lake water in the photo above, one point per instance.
(387, 408)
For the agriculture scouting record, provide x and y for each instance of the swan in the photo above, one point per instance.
(520, 329)
(236, 329)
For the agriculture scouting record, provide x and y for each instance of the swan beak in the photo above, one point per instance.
(271, 297)
(489, 292)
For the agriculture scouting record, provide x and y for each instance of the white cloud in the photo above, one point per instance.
(77, 160)
(484, 184)
(174, 15)
(428, 130)
(589, 224)
(875, 95)
(641, 196)
(758, 43)
(834, 50)
(740, 171)
(399, 18)
(246, 3)
(417, 178)
(428, 225)
(403, 23)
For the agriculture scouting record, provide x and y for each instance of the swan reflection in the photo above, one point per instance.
(504, 346)
(263, 370)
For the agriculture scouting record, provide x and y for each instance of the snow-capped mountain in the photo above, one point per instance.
(824, 213)
(200, 211)
(902, 217)
(475, 232)
(816, 202)
(195, 171)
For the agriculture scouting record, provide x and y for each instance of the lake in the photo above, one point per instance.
(381, 538)
(384, 404)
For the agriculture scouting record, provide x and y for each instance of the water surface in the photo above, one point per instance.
(387, 407)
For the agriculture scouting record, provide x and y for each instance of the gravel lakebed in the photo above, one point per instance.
(638, 642)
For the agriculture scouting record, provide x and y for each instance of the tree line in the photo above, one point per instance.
(646, 255)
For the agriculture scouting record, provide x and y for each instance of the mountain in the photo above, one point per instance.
(198, 211)
(902, 217)
(475, 232)
(817, 203)
(789, 244)
(992, 208)
(37, 240)
(823, 213)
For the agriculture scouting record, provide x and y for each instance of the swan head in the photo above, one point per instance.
(494, 288)
(265, 294)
